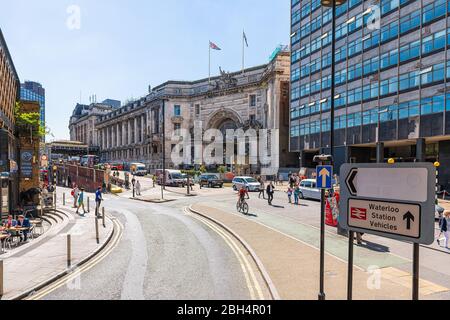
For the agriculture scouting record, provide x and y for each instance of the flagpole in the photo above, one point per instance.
(243, 51)
(209, 68)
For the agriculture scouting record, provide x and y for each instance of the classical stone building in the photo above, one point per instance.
(257, 98)
(82, 124)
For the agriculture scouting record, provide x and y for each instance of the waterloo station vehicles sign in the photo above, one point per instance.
(394, 201)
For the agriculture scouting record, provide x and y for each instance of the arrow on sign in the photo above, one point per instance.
(324, 173)
(351, 182)
(408, 217)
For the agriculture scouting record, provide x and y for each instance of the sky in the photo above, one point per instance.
(116, 48)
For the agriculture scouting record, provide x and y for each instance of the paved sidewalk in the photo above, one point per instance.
(293, 265)
(28, 269)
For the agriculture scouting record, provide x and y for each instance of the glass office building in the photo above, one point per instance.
(33, 91)
(392, 78)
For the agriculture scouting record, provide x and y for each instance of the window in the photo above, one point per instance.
(252, 100)
(176, 126)
(177, 110)
(197, 109)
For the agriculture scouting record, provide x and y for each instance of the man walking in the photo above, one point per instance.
(262, 186)
(138, 188)
(98, 201)
(270, 190)
(75, 193)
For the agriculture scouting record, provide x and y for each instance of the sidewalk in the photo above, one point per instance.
(33, 266)
(293, 266)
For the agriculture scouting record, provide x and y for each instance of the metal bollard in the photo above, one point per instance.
(103, 217)
(64, 199)
(54, 200)
(69, 250)
(89, 207)
(1, 278)
(96, 231)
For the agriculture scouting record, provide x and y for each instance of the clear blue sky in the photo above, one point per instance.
(124, 46)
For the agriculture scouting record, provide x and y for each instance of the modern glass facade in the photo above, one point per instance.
(33, 91)
(391, 78)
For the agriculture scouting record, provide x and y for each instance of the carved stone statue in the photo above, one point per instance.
(226, 80)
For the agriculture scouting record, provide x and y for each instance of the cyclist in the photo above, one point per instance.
(242, 193)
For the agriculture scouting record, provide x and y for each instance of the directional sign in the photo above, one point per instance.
(324, 175)
(394, 201)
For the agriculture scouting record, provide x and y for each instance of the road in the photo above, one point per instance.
(165, 253)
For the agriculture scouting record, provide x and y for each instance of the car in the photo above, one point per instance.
(251, 184)
(210, 180)
(438, 212)
(309, 190)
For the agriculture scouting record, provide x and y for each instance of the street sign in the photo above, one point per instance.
(324, 176)
(394, 201)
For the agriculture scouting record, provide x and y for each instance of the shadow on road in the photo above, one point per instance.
(374, 246)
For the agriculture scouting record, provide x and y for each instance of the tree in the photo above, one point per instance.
(29, 122)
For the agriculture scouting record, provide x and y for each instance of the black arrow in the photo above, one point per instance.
(350, 182)
(408, 217)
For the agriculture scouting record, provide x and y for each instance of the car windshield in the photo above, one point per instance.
(211, 177)
(251, 180)
(177, 176)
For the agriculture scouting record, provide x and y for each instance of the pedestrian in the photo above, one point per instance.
(289, 194)
(81, 202)
(296, 194)
(98, 201)
(138, 188)
(444, 228)
(154, 180)
(270, 190)
(75, 192)
(262, 186)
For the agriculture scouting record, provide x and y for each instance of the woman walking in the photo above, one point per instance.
(444, 226)
(296, 194)
(81, 202)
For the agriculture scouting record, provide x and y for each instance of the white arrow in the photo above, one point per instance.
(324, 173)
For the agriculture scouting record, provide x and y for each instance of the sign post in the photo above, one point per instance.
(324, 174)
(395, 201)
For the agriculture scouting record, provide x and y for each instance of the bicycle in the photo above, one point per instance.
(242, 206)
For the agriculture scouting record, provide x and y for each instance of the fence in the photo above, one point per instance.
(88, 178)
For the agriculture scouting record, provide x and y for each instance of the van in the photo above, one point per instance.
(173, 178)
(138, 169)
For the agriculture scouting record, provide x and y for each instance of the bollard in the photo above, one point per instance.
(64, 199)
(89, 208)
(103, 217)
(1, 278)
(69, 250)
(42, 207)
(54, 200)
(96, 231)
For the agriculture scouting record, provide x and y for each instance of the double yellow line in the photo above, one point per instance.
(249, 274)
(118, 232)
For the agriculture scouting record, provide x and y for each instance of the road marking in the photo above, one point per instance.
(84, 268)
(243, 261)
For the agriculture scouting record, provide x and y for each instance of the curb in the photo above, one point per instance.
(273, 291)
(67, 271)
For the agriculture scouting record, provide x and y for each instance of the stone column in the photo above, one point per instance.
(136, 136)
(129, 131)
(143, 125)
(124, 133)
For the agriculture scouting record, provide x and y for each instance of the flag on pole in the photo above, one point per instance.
(213, 46)
(245, 39)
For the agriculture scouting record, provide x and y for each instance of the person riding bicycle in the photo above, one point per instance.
(242, 193)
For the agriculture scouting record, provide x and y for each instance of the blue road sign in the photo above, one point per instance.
(324, 176)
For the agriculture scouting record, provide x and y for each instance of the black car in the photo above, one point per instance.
(210, 180)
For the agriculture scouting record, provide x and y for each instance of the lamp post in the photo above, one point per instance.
(333, 4)
(163, 185)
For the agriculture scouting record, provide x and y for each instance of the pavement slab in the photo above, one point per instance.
(293, 264)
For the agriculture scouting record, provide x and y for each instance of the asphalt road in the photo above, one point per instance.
(163, 254)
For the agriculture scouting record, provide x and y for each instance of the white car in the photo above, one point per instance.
(251, 184)
(309, 190)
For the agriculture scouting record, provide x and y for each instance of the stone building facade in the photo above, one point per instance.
(257, 98)
(82, 124)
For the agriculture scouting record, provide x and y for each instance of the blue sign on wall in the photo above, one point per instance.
(324, 176)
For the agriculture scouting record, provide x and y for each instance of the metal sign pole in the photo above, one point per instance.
(415, 287)
(322, 245)
(351, 236)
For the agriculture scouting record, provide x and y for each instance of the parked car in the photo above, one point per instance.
(309, 190)
(251, 184)
(210, 180)
(438, 212)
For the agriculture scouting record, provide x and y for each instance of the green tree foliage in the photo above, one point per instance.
(29, 122)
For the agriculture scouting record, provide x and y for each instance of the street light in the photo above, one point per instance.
(331, 4)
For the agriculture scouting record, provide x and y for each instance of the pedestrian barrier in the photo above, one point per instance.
(69, 250)
(103, 217)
